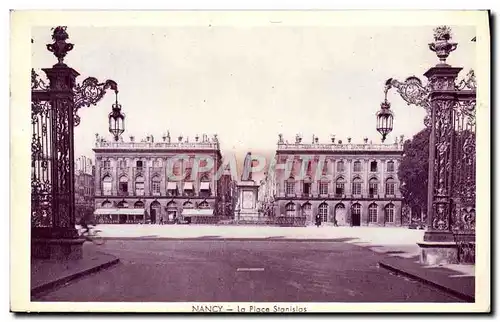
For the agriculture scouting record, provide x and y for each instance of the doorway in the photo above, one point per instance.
(155, 211)
(356, 215)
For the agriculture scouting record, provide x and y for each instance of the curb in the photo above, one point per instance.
(460, 295)
(202, 238)
(61, 281)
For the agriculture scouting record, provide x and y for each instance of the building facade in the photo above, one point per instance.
(345, 184)
(158, 182)
(84, 187)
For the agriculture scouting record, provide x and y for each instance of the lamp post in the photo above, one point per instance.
(450, 110)
(54, 115)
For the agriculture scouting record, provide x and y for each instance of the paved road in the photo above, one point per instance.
(260, 271)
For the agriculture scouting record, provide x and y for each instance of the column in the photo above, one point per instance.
(348, 188)
(366, 178)
(97, 179)
(381, 188)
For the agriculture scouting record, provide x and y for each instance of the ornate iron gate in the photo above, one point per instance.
(53, 117)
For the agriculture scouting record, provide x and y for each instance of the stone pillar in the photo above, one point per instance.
(381, 188)
(98, 179)
(59, 238)
(438, 246)
(365, 190)
(348, 187)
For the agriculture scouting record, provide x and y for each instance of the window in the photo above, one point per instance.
(123, 186)
(290, 210)
(373, 187)
(390, 166)
(323, 188)
(107, 204)
(157, 163)
(290, 187)
(323, 212)
(390, 187)
(138, 164)
(122, 204)
(139, 205)
(372, 213)
(204, 205)
(356, 209)
(123, 164)
(139, 186)
(357, 166)
(373, 166)
(155, 186)
(339, 187)
(106, 185)
(307, 188)
(389, 213)
(107, 164)
(306, 210)
(356, 186)
(340, 166)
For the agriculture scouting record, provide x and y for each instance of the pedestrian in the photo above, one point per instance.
(318, 220)
(161, 220)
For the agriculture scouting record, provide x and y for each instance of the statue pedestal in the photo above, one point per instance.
(438, 248)
(247, 201)
(56, 243)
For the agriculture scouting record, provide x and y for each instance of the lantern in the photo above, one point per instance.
(116, 119)
(385, 117)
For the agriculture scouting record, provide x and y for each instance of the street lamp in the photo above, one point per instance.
(450, 116)
(385, 118)
(116, 119)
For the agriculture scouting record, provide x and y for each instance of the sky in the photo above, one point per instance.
(248, 84)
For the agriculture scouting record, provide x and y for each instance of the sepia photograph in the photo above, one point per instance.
(250, 162)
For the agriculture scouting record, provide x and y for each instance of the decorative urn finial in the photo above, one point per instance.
(441, 46)
(60, 47)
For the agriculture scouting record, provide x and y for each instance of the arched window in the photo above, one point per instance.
(340, 166)
(389, 213)
(373, 187)
(356, 209)
(187, 204)
(357, 166)
(155, 185)
(323, 212)
(373, 166)
(390, 186)
(204, 205)
(107, 204)
(290, 186)
(372, 213)
(123, 186)
(139, 205)
(307, 210)
(139, 186)
(356, 186)
(122, 204)
(106, 185)
(339, 186)
(390, 166)
(290, 209)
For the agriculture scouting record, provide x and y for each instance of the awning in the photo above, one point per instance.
(197, 212)
(205, 186)
(119, 211)
(172, 186)
(188, 186)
